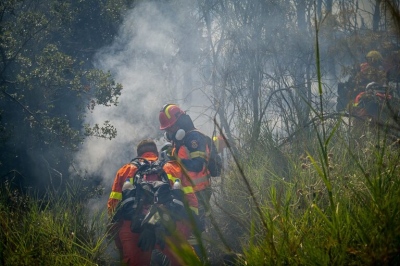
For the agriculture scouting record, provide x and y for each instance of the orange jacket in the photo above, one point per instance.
(200, 180)
(193, 154)
(380, 95)
(174, 172)
(124, 173)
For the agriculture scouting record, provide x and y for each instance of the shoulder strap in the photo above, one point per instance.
(158, 167)
(139, 161)
(151, 167)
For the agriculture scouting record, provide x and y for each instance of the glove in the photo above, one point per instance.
(147, 239)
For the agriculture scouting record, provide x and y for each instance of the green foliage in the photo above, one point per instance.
(55, 231)
(48, 83)
(339, 207)
(107, 130)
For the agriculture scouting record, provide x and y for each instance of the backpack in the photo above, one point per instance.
(152, 189)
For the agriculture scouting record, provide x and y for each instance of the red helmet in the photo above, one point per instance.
(168, 116)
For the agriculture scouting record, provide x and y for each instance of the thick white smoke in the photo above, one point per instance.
(154, 58)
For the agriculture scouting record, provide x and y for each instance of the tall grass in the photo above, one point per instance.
(339, 205)
(55, 231)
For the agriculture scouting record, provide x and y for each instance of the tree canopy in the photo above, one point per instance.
(47, 83)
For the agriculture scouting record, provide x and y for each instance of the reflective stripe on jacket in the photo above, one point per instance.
(201, 179)
(174, 171)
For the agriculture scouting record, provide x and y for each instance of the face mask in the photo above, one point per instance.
(179, 135)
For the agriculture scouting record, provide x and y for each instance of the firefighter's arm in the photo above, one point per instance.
(116, 191)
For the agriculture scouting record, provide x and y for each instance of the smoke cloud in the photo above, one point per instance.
(154, 58)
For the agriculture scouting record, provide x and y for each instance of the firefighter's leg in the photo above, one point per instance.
(203, 197)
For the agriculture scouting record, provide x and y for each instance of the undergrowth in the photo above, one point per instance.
(339, 206)
(52, 231)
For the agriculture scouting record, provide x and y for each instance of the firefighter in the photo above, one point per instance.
(191, 150)
(371, 101)
(371, 70)
(175, 173)
(219, 143)
(125, 240)
(135, 247)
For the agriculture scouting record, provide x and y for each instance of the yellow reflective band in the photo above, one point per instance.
(187, 190)
(172, 178)
(195, 210)
(197, 154)
(116, 195)
(167, 111)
